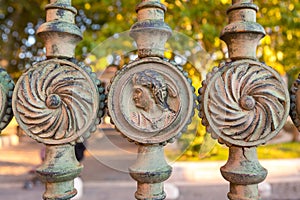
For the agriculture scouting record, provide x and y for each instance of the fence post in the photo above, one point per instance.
(243, 103)
(6, 90)
(151, 100)
(295, 103)
(56, 102)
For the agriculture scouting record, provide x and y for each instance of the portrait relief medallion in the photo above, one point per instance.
(149, 99)
(153, 102)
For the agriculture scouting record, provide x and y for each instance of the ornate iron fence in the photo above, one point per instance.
(59, 101)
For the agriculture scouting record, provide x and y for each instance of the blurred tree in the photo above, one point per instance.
(18, 23)
(200, 20)
(103, 21)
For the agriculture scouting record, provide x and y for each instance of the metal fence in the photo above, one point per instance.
(59, 101)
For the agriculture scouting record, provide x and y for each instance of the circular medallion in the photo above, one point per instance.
(56, 102)
(244, 103)
(150, 101)
(295, 103)
(6, 90)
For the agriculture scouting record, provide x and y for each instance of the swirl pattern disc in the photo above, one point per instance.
(245, 103)
(56, 102)
(6, 90)
(295, 103)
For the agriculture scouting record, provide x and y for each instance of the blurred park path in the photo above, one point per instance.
(105, 176)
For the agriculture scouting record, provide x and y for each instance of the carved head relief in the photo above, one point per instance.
(150, 95)
(154, 98)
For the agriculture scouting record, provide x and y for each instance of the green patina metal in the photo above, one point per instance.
(32, 101)
(155, 109)
(42, 101)
(6, 89)
(232, 102)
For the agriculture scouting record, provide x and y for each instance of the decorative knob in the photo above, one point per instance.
(247, 102)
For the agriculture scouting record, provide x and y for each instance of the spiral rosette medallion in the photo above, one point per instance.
(295, 103)
(56, 102)
(6, 91)
(244, 103)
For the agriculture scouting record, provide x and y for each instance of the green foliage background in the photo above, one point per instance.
(201, 21)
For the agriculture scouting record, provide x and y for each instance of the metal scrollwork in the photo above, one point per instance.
(244, 103)
(6, 90)
(150, 100)
(295, 103)
(57, 101)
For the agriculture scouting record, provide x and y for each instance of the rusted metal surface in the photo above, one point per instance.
(151, 101)
(244, 172)
(242, 29)
(60, 28)
(243, 103)
(6, 89)
(295, 103)
(58, 171)
(150, 32)
(150, 170)
(59, 101)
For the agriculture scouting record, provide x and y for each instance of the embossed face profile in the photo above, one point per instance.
(141, 97)
(150, 101)
(150, 96)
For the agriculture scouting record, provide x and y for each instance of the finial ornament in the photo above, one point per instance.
(242, 30)
(6, 89)
(150, 32)
(295, 103)
(60, 24)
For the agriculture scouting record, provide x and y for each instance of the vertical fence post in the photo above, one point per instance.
(295, 103)
(151, 100)
(56, 101)
(6, 90)
(243, 103)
